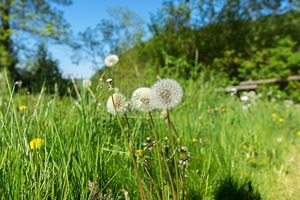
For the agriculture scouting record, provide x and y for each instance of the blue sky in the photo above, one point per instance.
(84, 13)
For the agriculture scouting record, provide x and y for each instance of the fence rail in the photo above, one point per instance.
(253, 84)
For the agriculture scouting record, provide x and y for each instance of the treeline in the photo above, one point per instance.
(41, 71)
(222, 46)
(234, 44)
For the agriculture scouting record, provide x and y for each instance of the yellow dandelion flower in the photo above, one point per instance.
(273, 115)
(223, 110)
(140, 152)
(298, 133)
(22, 107)
(36, 143)
(194, 140)
(281, 120)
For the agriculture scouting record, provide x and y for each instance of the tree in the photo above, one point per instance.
(39, 18)
(116, 35)
(42, 70)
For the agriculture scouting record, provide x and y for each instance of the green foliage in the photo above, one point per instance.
(221, 46)
(279, 61)
(42, 71)
(267, 47)
(118, 34)
(20, 19)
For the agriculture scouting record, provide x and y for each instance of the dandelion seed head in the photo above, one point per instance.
(141, 99)
(86, 83)
(111, 60)
(165, 94)
(121, 103)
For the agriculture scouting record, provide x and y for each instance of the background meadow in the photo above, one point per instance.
(235, 152)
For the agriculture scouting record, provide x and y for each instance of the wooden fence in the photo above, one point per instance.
(253, 84)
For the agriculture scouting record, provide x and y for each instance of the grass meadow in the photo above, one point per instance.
(234, 149)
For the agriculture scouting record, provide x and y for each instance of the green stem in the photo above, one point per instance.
(173, 149)
(170, 178)
(142, 192)
(183, 181)
(153, 182)
(150, 175)
(159, 156)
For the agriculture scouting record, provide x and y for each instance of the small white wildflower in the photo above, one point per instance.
(279, 139)
(122, 105)
(141, 99)
(18, 83)
(288, 103)
(165, 94)
(244, 98)
(252, 94)
(111, 60)
(86, 83)
(233, 91)
(245, 107)
(259, 95)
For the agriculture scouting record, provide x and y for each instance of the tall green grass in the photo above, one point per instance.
(235, 153)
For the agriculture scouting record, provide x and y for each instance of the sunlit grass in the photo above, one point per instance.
(234, 152)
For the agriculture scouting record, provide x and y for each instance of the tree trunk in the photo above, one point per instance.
(6, 43)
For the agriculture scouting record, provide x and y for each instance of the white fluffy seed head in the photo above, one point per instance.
(111, 60)
(121, 103)
(141, 99)
(165, 94)
(86, 83)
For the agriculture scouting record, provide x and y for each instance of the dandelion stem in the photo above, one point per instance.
(142, 192)
(156, 186)
(150, 174)
(183, 181)
(170, 178)
(173, 149)
(159, 156)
